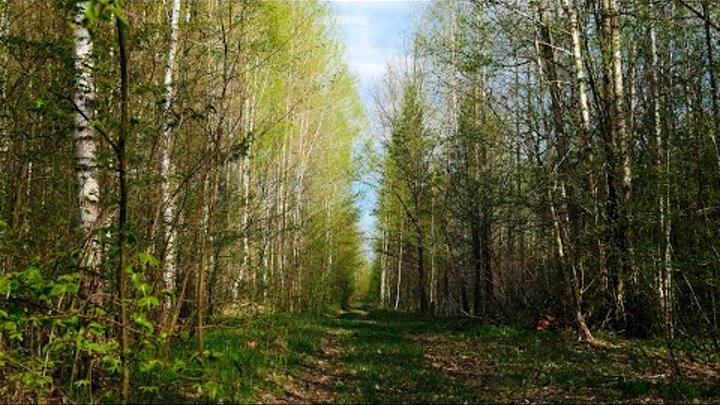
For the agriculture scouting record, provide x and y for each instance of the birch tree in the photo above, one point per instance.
(86, 167)
(166, 168)
(617, 145)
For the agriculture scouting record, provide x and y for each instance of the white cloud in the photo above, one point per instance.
(354, 21)
(368, 70)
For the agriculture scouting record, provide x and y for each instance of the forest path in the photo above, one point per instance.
(391, 357)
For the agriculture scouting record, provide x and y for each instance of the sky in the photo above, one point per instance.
(375, 31)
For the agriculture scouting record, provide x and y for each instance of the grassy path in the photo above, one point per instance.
(390, 357)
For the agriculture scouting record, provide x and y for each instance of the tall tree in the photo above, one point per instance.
(166, 169)
(86, 165)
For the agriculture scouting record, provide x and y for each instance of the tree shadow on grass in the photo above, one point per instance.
(392, 357)
(384, 364)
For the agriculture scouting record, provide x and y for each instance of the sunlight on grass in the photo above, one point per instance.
(391, 357)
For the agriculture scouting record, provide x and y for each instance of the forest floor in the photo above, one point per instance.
(392, 357)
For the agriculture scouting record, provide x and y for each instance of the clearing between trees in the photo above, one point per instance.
(380, 356)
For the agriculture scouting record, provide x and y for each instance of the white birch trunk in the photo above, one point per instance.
(85, 145)
(664, 272)
(246, 201)
(433, 276)
(616, 97)
(383, 270)
(399, 269)
(581, 82)
(166, 168)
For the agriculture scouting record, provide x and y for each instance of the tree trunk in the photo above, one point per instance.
(399, 267)
(122, 219)
(383, 265)
(4, 31)
(488, 279)
(664, 257)
(86, 156)
(619, 149)
(586, 135)
(713, 83)
(477, 264)
(565, 229)
(166, 167)
(422, 275)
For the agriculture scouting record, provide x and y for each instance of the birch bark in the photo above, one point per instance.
(85, 148)
(581, 83)
(166, 168)
(664, 272)
(619, 148)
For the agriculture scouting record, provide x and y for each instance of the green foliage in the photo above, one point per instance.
(269, 87)
(30, 301)
(104, 10)
(238, 359)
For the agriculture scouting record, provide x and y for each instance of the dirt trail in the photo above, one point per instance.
(314, 381)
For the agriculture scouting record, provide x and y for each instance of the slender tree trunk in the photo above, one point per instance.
(422, 274)
(166, 166)
(248, 128)
(383, 265)
(200, 279)
(477, 263)
(619, 149)
(562, 221)
(586, 135)
(713, 83)
(488, 279)
(660, 278)
(122, 220)
(5, 143)
(86, 155)
(399, 266)
(245, 270)
(4, 31)
(433, 277)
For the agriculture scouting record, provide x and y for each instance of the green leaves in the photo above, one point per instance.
(179, 366)
(136, 280)
(148, 302)
(11, 328)
(31, 379)
(141, 320)
(112, 363)
(96, 328)
(33, 278)
(63, 288)
(39, 103)
(104, 10)
(7, 285)
(148, 259)
(149, 365)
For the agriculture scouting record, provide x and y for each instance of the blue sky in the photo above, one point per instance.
(375, 31)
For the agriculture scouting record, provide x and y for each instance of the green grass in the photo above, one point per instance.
(383, 365)
(391, 357)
